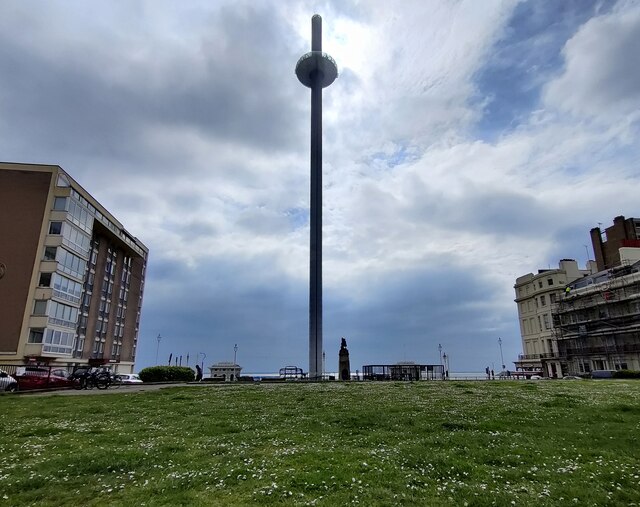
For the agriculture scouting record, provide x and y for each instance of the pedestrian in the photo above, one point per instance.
(493, 375)
(198, 373)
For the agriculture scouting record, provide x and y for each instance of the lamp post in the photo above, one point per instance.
(158, 347)
(440, 351)
(203, 357)
(501, 358)
(446, 370)
(235, 353)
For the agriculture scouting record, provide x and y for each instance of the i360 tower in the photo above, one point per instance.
(316, 70)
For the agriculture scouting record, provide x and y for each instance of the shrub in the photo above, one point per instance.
(627, 374)
(167, 374)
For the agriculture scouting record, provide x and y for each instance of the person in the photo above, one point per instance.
(198, 373)
(493, 375)
(487, 372)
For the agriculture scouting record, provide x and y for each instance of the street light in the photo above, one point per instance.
(446, 372)
(235, 353)
(158, 347)
(440, 351)
(501, 357)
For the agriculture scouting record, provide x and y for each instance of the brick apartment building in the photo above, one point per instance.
(71, 276)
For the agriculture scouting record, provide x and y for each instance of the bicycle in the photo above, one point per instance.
(87, 379)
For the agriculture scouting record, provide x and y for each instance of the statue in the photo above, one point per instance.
(344, 368)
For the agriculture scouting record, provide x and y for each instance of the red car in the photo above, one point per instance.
(32, 377)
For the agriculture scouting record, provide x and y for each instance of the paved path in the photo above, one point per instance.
(131, 388)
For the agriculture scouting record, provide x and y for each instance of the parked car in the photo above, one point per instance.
(7, 382)
(602, 373)
(37, 377)
(129, 378)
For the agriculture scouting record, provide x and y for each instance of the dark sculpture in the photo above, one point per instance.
(344, 369)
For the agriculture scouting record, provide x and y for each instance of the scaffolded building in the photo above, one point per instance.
(597, 322)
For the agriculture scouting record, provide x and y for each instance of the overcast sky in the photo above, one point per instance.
(466, 143)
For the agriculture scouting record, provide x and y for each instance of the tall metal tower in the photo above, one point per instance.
(316, 70)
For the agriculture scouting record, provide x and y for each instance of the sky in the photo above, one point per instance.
(466, 143)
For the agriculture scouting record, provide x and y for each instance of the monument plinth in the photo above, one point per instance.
(344, 366)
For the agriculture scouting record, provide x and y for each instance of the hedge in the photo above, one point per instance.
(167, 374)
(627, 374)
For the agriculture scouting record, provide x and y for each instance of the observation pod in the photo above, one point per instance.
(316, 70)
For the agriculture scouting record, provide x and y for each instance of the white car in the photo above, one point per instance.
(7, 382)
(130, 378)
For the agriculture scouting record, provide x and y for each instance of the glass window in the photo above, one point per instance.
(543, 300)
(50, 253)
(66, 288)
(60, 203)
(35, 335)
(545, 318)
(71, 264)
(58, 341)
(45, 280)
(40, 307)
(63, 315)
(55, 227)
(540, 283)
(550, 281)
(76, 239)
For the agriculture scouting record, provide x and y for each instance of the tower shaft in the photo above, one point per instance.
(316, 70)
(315, 244)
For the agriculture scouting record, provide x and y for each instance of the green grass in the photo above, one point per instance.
(428, 443)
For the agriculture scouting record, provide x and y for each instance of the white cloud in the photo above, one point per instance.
(601, 76)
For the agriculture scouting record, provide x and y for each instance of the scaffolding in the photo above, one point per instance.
(597, 322)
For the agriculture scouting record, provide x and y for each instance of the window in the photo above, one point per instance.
(40, 307)
(540, 284)
(545, 318)
(63, 181)
(35, 335)
(66, 288)
(45, 280)
(60, 203)
(552, 298)
(539, 323)
(70, 263)
(543, 300)
(55, 227)
(549, 282)
(58, 341)
(50, 253)
(75, 239)
(63, 315)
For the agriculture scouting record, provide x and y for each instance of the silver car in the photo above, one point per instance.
(7, 382)
(129, 378)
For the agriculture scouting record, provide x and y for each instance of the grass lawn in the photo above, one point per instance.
(333, 444)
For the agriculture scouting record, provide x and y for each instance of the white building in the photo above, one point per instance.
(536, 296)
(225, 370)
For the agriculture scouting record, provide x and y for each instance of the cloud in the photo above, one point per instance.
(600, 78)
